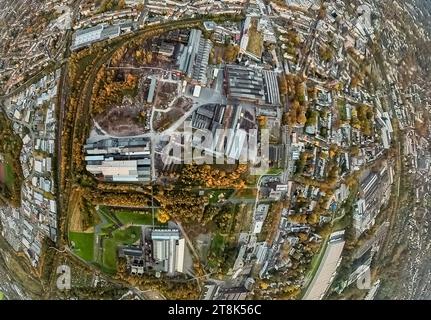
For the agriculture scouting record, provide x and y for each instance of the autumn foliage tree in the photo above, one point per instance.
(325, 53)
(108, 92)
(162, 216)
(207, 176)
(282, 83)
(183, 205)
(230, 53)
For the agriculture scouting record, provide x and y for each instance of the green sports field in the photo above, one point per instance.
(83, 244)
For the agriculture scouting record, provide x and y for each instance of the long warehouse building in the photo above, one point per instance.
(327, 269)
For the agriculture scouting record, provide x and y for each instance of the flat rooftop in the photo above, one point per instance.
(327, 268)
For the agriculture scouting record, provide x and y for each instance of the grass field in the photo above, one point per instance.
(109, 255)
(135, 217)
(2, 173)
(218, 243)
(83, 244)
(216, 250)
(11, 174)
(110, 246)
(127, 236)
(7, 175)
(114, 236)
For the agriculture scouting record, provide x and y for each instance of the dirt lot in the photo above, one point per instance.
(163, 120)
(131, 116)
(122, 121)
(166, 92)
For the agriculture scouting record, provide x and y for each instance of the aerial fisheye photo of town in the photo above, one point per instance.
(215, 150)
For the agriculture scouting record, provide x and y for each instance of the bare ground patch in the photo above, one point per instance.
(164, 120)
(122, 121)
(166, 93)
(78, 213)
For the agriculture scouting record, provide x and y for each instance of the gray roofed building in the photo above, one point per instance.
(119, 159)
(272, 93)
(135, 258)
(168, 250)
(151, 90)
(166, 49)
(84, 37)
(254, 85)
(193, 60)
(327, 269)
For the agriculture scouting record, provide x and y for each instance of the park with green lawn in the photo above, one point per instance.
(127, 236)
(82, 244)
(216, 250)
(10, 168)
(135, 217)
(116, 227)
(9, 175)
(8, 184)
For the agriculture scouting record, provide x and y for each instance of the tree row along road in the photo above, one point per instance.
(84, 93)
